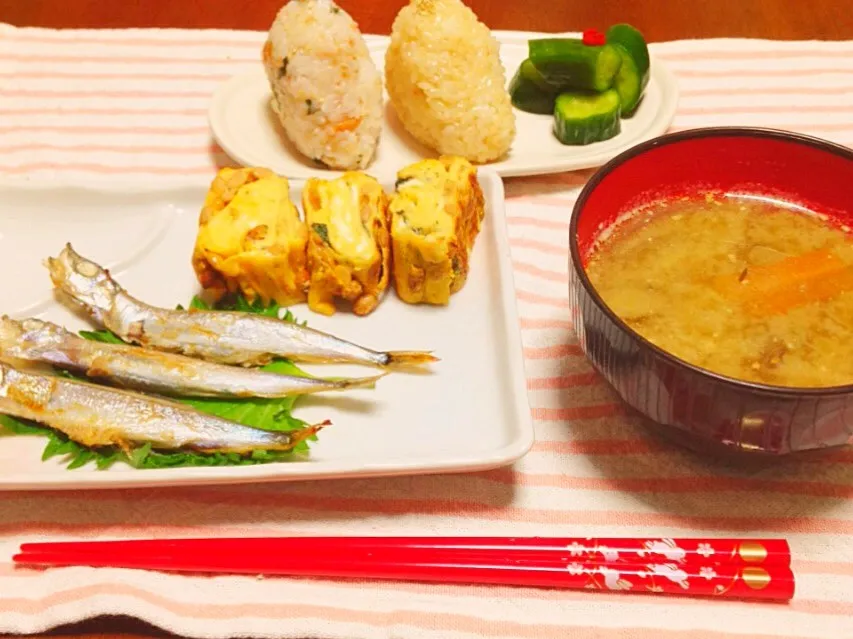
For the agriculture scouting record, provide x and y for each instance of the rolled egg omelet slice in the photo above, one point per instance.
(436, 214)
(251, 239)
(349, 246)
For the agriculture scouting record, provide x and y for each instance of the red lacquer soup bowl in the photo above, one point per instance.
(702, 408)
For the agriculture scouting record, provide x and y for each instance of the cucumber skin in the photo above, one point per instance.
(568, 63)
(528, 99)
(634, 42)
(528, 71)
(594, 128)
(630, 89)
(526, 91)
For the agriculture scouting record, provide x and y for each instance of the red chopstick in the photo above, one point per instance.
(748, 569)
(612, 550)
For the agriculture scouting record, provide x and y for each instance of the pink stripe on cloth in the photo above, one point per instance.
(403, 620)
(132, 104)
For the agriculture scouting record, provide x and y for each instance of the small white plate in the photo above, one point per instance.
(246, 128)
(470, 413)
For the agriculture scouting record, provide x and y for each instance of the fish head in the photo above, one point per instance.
(21, 337)
(12, 341)
(11, 332)
(84, 281)
(40, 333)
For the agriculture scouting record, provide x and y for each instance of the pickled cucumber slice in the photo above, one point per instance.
(531, 74)
(635, 44)
(583, 118)
(529, 92)
(569, 63)
(628, 83)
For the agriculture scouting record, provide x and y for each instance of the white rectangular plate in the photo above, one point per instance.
(470, 413)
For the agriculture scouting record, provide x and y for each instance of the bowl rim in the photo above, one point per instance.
(674, 138)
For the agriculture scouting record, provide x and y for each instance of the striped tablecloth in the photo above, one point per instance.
(99, 104)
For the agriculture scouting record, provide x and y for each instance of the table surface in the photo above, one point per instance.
(777, 19)
(781, 19)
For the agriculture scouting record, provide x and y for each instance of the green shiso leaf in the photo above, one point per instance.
(101, 336)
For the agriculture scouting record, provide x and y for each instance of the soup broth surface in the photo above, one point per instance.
(740, 287)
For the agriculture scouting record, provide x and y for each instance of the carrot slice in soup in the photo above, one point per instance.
(794, 281)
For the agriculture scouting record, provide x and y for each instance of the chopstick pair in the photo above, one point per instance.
(737, 568)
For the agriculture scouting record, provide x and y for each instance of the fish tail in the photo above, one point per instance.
(409, 358)
(358, 382)
(299, 436)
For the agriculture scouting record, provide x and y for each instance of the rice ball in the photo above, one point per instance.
(446, 82)
(326, 90)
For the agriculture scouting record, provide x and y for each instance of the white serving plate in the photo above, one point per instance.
(470, 413)
(245, 127)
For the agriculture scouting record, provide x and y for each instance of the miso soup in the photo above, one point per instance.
(751, 290)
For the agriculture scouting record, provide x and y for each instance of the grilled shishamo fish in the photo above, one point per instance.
(220, 336)
(148, 370)
(95, 415)
(251, 239)
(349, 253)
(436, 214)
